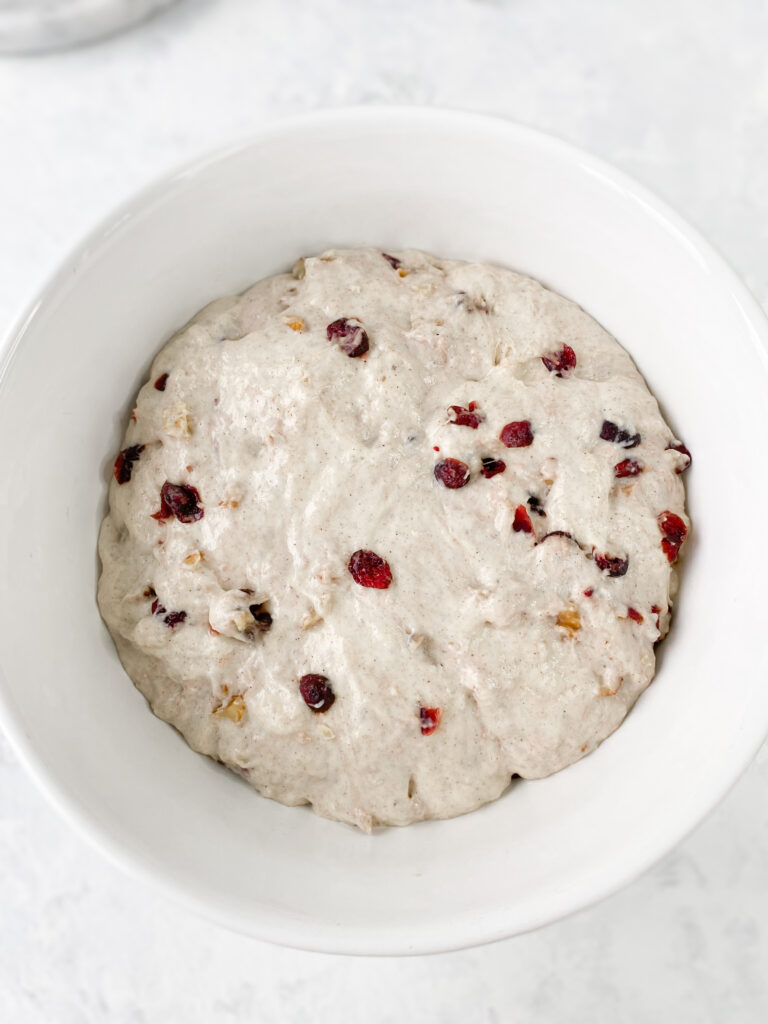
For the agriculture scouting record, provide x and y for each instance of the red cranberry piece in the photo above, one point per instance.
(430, 719)
(655, 610)
(628, 467)
(610, 432)
(522, 522)
(349, 335)
(262, 618)
(180, 500)
(627, 440)
(466, 417)
(172, 619)
(678, 446)
(560, 363)
(612, 565)
(517, 434)
(536, 506)
(673, 527)
(124, 462)
(452, 473)
(673, 532)
(492, 466)
(369, 570)
(393, 261)
(161, 382)
(589, 592)
(317, 692)
(634, 614)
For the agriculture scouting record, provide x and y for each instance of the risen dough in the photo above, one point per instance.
(301, 455)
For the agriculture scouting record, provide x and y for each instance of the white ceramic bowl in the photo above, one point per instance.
(28, 26)
(460, 186)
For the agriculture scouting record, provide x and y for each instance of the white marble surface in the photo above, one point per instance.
(676, 94)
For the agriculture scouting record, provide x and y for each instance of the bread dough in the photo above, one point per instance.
(518, 624)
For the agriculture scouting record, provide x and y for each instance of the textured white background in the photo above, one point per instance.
(673, 91)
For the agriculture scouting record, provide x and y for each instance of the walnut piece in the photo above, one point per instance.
(569, 619)
(312, 618)
(234, 710)
(177, 421)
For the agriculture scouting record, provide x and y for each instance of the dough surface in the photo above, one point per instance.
(519, 625)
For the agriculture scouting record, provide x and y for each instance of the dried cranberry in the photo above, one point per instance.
(393, 261)
(369, 570)
(628, 467)
(261, 617)
(124, 462)
(589, 592)
(673, 532)
(430, 719)
(161, 382)
(678, 446)
(466, 417)
(634, 614)
(536, 506)
(522, 522)
(172, 619)
(452, 473)
(180, 500)
(492, 466)
(612, 565)
(673, 527)
(517, 434)
(610, 432)
(627, 440)
(349, 335)
(560, 363)
(317, 692)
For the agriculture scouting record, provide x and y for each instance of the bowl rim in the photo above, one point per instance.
(471, 930)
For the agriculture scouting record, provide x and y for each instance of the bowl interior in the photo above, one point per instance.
(458, 186)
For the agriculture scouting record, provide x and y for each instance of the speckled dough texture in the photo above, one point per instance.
(519, 625)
